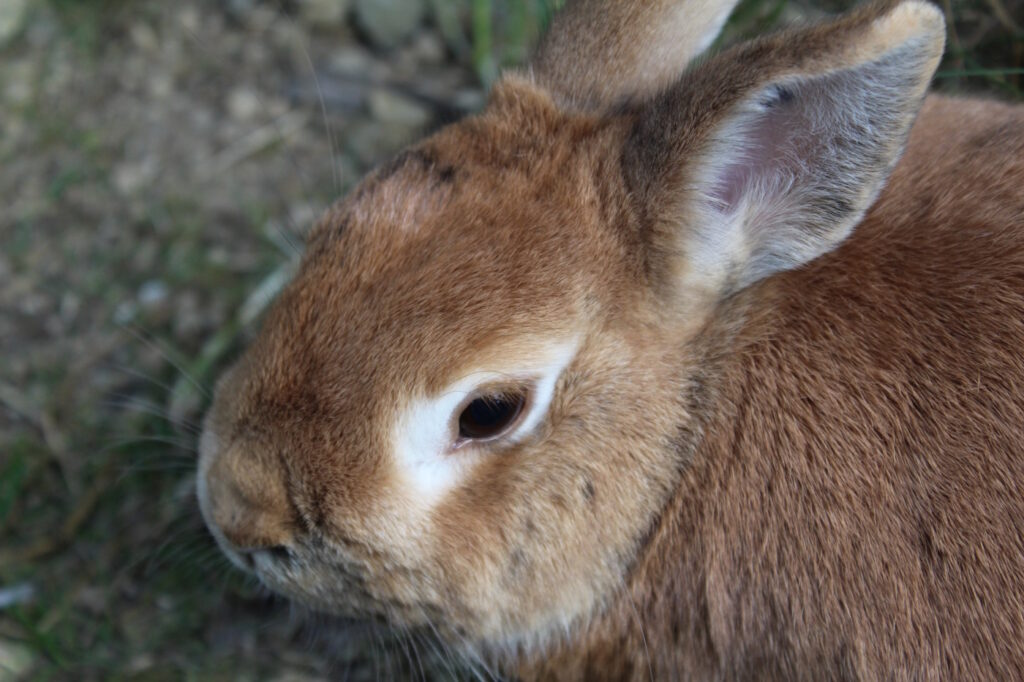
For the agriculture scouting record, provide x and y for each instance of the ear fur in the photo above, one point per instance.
(780, 168)
(599, 53)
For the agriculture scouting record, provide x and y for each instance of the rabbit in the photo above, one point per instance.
(663, 366)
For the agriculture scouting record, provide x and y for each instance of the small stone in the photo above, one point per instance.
(189, 19)
(152, 294)
(16, 594)
(12, 18)
(302, 215)
(351, 60)
(243, 104)
(391, 107)
(428, 48)
(130, 177)
(140, 663)
(125, 312)
(16, 658)
(144, 37)
(323, 13)
(387, 23)
(161, 85)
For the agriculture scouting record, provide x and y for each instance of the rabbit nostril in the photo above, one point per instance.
(279, 553)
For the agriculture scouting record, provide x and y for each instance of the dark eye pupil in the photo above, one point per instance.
(489, 416)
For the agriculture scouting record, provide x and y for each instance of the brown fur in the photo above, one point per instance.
(855, 509)
(818, 477)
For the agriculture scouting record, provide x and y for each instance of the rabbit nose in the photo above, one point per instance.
(246, 503)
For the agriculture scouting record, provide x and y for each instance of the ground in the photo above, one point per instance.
(160, 163)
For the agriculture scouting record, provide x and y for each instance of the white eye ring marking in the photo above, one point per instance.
(424, 437)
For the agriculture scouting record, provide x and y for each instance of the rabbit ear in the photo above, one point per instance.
(598, 53)
(768, 156)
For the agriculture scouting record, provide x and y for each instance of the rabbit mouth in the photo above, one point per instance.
(345, 587)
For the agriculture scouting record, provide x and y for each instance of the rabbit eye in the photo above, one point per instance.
(490, 416)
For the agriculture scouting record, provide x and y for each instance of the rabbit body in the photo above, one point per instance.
(655, 371)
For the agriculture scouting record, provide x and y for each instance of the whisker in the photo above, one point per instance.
(131, 371)
(134, 404)
(444, 652)
(136, 469)
(474, 660)
(166, 354)
(198, 559)
(179, 444)
(402, 637)
(157, 559)
(323, 105)
(411, 634)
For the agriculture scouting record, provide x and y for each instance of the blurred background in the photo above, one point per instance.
(159, 165)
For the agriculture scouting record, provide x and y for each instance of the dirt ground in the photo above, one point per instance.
(159, 165)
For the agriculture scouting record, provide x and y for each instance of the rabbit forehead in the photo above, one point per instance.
(374, 313)
(442, 252)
